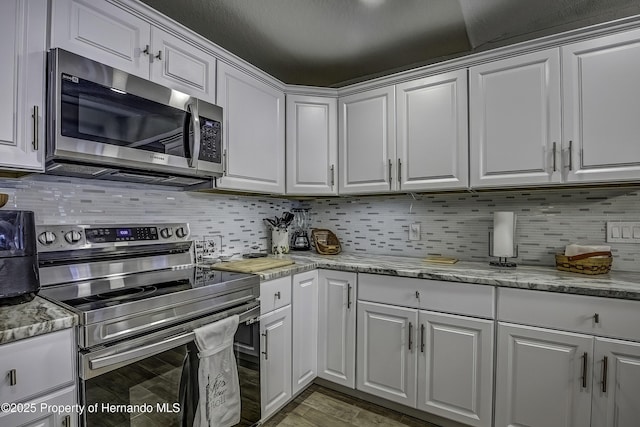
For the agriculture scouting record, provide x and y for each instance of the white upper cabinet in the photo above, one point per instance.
(432, 133)
(515, 121)
(23, 29)
(367, 141)
(312, 145)
(103, 32)
(601, 89)
(253, 133)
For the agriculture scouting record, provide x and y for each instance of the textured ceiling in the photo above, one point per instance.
(335, 42)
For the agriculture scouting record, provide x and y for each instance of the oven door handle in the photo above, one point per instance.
(141, 352)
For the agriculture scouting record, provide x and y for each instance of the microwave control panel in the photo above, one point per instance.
(210, 140)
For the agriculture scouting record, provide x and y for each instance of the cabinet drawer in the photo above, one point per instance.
(275, 294)
(434, 295)
(40, 364)
(592, 315)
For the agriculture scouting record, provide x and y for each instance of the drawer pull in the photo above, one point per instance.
(66, 421)
(277, 295)
(605, 366)
(585, 357)
(349, 296)
(596, 318)
(417, 294)
(266, 344)
(421, 338)
(13, 379)
(410, 335)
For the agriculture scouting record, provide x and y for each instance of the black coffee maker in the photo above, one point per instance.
(19, 280)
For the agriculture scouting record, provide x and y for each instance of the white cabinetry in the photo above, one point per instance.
(275, 366)
(305, 329)
(29, 379)
(515, 120)
(337, 327)
(601, 88)
(432, 143)
(105, 33)
(312, 145)
(23, 29)
(436, 362)
(367, 141)
(253, 133)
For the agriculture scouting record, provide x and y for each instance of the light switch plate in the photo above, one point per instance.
(414, 231)
(623, 232)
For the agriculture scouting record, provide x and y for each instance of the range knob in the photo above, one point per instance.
(166, 233)
(46, 237)
(181, 232)
(73, 237)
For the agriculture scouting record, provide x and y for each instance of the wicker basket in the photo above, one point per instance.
(590, 263)
(325, 241)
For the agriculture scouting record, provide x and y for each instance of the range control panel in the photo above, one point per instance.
(68, 237)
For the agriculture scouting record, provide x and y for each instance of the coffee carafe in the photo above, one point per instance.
(300, 237)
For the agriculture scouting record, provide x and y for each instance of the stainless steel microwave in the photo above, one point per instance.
(105, 123)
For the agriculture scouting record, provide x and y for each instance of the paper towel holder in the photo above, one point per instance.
(502, 261)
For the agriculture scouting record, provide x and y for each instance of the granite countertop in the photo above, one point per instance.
(33, 318)
(625, 285)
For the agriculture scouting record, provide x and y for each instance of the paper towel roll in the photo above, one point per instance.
(504, 230)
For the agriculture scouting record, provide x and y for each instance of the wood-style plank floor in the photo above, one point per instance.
(320, 407)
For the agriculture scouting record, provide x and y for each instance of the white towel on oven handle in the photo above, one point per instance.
(219, 402)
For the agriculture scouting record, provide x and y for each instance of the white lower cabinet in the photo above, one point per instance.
(543, 377)
(275, 366)
(63, 400)
(305, 329)
(337, 327)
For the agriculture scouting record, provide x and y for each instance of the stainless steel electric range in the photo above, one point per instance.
(139, 295)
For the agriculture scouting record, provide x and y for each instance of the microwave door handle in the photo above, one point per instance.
(195, 147)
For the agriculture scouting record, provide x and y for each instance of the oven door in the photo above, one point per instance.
(103, 115)
(153, 380)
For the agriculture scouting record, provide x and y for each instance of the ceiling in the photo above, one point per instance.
(337, 42)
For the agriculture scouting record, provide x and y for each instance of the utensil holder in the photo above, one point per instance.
(279, 241)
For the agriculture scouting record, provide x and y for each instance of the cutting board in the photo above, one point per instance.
(252, 265)
(441, 260)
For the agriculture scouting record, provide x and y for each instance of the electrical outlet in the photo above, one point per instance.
(414, 231)
(623, 232)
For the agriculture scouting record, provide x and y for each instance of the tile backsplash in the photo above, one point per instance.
(457, 224)
(452, 224)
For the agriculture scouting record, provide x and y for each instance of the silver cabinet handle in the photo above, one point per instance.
(596, 318)
(570, 155)
(421, 338)
(277, 295)
(399, 173)
(224, 162)
(13, 379)
(146, 50)
(348, 296)
(605, 366)
(266, 344)
(35, 140)
(410, 335)
(159, 56)
(585, 357)
(66, 421)
(554, 157)
(333, 180)
(390, 176)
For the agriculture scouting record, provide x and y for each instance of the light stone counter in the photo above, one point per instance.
(33, 318)
(625, 285)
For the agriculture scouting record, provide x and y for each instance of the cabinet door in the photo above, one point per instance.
(312, 145)
(601, 88)
(275, 366)
(433, 142)
(542, 377)
(455, 367)
(387, 351)
(337, 327)
(181, 66)
(616, 383)
(23, 28)
(253, 133)
(62, 400)
(102, 32)
(515, 120)
(367, 142)
(305, 329)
